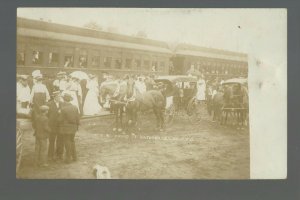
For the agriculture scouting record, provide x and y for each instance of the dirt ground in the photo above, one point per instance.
(184, 151)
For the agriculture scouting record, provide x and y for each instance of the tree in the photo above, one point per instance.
(112, 29)
(93, 25)
(141, 34)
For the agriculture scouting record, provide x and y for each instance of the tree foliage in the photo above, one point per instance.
(93, 25)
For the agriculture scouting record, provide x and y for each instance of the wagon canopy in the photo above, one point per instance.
(242, 81)
(171, 81)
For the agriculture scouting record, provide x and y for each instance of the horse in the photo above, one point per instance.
(115, 92)
(232, 102)
(133, 101)
(140, 102)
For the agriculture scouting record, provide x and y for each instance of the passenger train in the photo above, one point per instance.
(53, 47)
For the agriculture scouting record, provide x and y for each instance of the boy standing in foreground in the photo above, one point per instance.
(41, 136)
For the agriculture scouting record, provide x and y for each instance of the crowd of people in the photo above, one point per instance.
(56, 105)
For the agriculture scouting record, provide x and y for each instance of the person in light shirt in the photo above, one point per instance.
(140, 85)
(200, 95)
(192, 71)
(23, 95)
(39, 96)
(61, 82)
(75, 91)
(201, 87)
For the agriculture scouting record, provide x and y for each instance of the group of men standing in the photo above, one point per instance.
(55, 119)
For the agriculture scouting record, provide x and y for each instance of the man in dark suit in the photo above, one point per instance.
(69, 126)
(56, 146)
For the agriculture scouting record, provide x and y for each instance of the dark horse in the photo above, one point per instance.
(150, 100)
(231, 102)
(133, 101)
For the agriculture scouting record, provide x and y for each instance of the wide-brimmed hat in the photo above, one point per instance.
(36, 73)
(44, 108)
(67, 97)
(160, 85)
(61, 73)
(23, 77)
(91, 75)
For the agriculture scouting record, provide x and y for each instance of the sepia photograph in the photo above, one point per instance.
(150, 93)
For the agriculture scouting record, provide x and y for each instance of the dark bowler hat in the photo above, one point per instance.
(55, 93)
(67, 97)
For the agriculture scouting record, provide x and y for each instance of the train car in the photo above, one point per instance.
(211, 62)
(54, 47)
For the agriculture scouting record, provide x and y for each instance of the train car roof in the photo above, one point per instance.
(37, 28)
(193, 50)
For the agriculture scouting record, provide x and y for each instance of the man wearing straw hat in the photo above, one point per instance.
(60, 83)
(55, 149)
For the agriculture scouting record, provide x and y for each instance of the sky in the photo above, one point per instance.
(258, 32)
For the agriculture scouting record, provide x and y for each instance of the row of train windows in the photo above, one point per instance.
(219, 68)
(68, 61)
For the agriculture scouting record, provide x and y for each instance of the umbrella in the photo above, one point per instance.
(80, 75)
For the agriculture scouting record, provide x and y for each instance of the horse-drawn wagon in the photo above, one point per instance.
(236, 103)
(180, 92)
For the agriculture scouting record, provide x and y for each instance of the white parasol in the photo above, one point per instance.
(80, 75)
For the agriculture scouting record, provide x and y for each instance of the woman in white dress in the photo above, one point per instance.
(91, 103)
(75, 92)
(200, 96)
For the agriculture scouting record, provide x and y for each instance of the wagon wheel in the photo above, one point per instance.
(169, 115)
(193, 112)
(19, 147)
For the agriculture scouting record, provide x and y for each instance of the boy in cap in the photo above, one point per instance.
(42, 131)
(69, 126)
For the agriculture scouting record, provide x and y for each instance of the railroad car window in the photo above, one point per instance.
(21, 58)
(107, 62)
(146, 64)
(154, 66)
(95, 61)
(128, 63)
(53, 58)
(118, 63)
(138, 63)
(68, 61)
(82, 61)
(37, 57)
